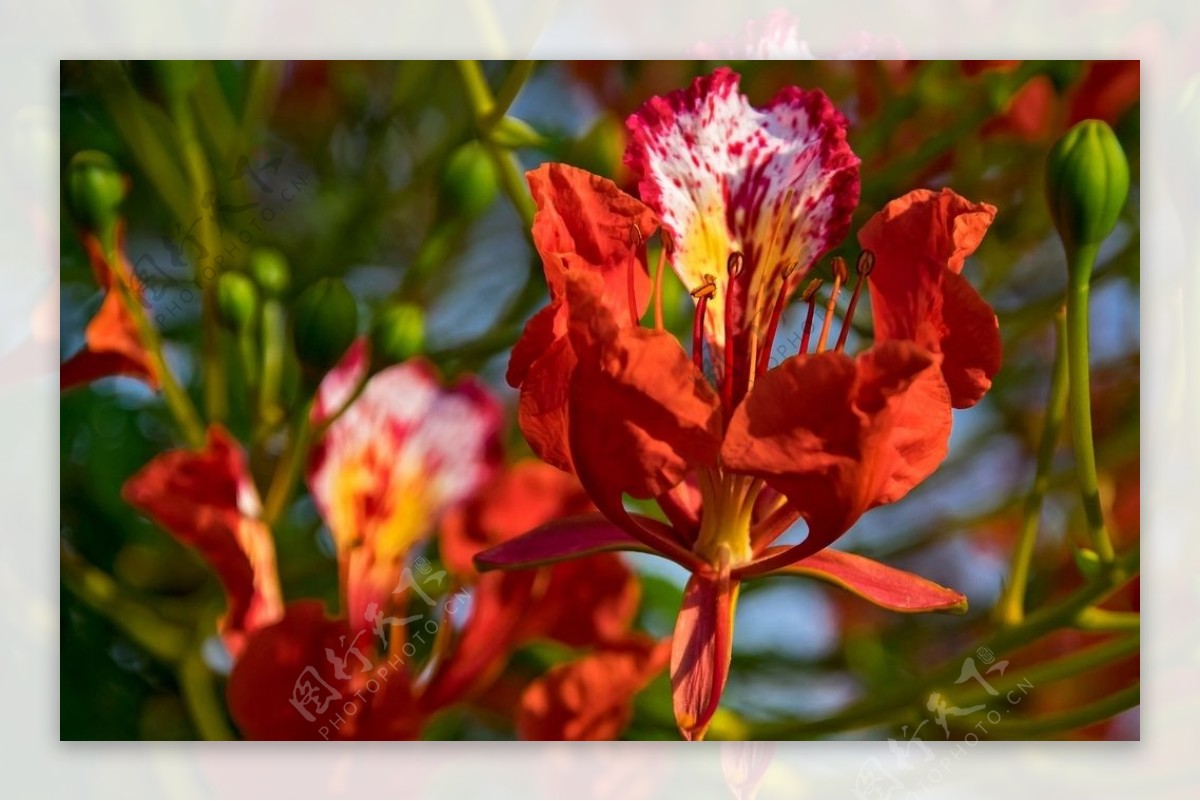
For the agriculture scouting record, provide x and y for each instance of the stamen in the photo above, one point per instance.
(701, 294)
(764, 361)
(665, 244)
(635, 241)
(863, 268)
(840, 274)
(733, 267)
(809, 296)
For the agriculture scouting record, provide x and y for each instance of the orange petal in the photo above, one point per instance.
(919, 241)
(701, 649)
(586, 223)
(592, 697)
(641, 415)
(839, 436)
(207, 501)
(883, 586)
(518, 500)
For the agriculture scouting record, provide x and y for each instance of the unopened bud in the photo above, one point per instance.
(324, 324)
(397, 334)
(95, 189)
(270, 270)
(469, 183)
(1087, 182)
(237, 301)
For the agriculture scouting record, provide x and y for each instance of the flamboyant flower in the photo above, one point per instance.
(749, 200)
(410, 639)
(112, 345)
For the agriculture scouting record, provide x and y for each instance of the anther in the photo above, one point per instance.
(866, 263)
(809, 296)
(635, 235)
(707, 289)
(734, 264)
(840, 273)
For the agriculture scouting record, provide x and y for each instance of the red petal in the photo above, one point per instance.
(700, 651)
(561, 540)
(285, 685)
(542, 413)
(919, 241)
(641, 416)
(111, 347)
(881, 585)
(518, 500)
(592, 697)
(539, 334)
(586, 223)
(207, 501)
(839, 436)
(585, 602)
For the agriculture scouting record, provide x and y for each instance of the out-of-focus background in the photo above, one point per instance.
(353, 169)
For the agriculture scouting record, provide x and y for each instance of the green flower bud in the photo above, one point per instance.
(324, 324)
(270, 269)
(397, 334)
(469, 182)
(237, 301)
(1087, 181)
(95, 189)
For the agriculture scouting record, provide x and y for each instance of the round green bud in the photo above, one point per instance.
(270, 270)
(237, 301)
(1087, 182)
(95, 189)
(324, 324)
(469, 182)
(397, 334)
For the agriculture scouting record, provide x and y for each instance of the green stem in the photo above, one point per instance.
(1011, 608)
(201, 697)
(1049, 672)
(274, 334)
(200, 184)
(1076, 718)
(177, 401)
(895, 705)
(288, 470)
(1081, 263)
(513, 83)
(162, 640)
(483, 106)
(1093, 619)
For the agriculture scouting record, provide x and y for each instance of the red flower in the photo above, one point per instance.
(751, 199)
(112, 345)
(207, 500)
(404, 455)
